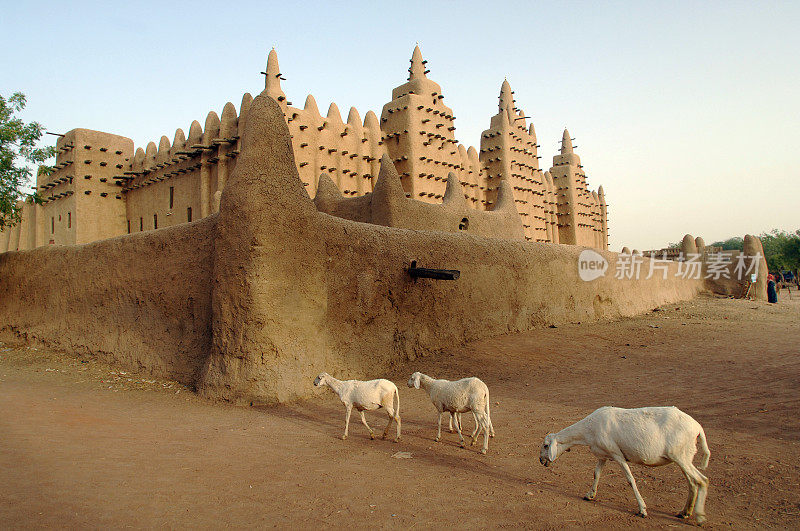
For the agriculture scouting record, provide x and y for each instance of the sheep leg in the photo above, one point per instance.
(458, 428)
(688, 509)
(483, 427)
(392, 416)
(389, 425)
(625, 468)
(698, 488)
(364, 421)
(347, 421)
(450, 428)
(475, 431)
(478, 429)
(486, 427)
(700, 503)
(597, 470)
(489, 418)
(397, 419)
(439, 434)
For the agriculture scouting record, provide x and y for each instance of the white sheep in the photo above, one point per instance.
(651, 436)
(365, 396)
(467, 394)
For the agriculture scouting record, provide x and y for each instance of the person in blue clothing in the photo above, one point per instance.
(772, 293)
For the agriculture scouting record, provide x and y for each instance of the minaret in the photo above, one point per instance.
(418, 133)
(272, 83)
(576, 207)
(603, 218)
(565, 176)
(509, 152)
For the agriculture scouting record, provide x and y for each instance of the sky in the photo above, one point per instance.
(688, 113)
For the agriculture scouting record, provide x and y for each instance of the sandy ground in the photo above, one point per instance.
(83, 444)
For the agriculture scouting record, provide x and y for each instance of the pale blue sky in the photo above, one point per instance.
(686, 112)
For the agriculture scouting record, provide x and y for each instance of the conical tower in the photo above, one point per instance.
(272, 83)
(567, 181)
(581, 215)
(418, 133)
(509, 152)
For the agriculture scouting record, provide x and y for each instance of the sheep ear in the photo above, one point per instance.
(416, 383)
(552, 451)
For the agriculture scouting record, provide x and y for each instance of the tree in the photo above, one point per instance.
(731, 244)
(17, 148)
(781, 249)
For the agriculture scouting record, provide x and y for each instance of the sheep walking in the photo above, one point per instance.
(651, 436)
(468, 394)
(365, 396)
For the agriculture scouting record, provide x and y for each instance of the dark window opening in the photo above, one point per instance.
(464, 225)
(52, 225)
(155, 221)
(189, 214)
(141, 224)
(171, 196)
(69, 220)
(129, 226)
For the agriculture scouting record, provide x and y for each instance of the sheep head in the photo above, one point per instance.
(414, 380)
(550, 450)
(321, 380)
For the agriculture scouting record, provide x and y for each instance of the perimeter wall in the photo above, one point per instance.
(250, 304)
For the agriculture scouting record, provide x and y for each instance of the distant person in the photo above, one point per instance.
(772, 294)
(782, 284)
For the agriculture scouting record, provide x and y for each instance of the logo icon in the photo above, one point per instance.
(591, 265)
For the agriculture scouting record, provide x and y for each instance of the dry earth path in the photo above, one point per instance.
(83, 444)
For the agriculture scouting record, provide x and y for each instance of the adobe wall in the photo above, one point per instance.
(381, 315)
(143, 300)
(297, 291)
(81, 202)
(733, 275)
(388, 205)
(173, 183)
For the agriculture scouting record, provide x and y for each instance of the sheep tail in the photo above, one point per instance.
(396, 398)
(705, 453)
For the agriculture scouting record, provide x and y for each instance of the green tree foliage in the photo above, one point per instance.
(731, 244)
(781, 249)
(17, 147)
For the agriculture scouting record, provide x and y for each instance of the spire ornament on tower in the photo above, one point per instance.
(506, 96)
(273, 77)
(417, 70)
(566, 143)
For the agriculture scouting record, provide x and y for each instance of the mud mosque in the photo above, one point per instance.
(249, 287)
(102, 187)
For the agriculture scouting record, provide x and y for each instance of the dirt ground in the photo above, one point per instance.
(83, 444)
